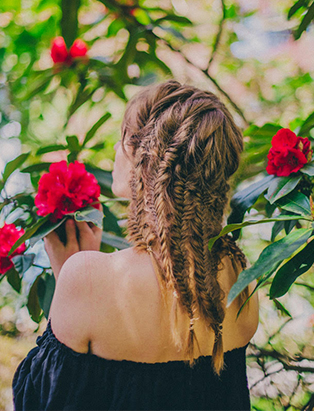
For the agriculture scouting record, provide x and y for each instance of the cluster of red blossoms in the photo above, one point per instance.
(60, 53)
(9, 234)
(288, 153)
(66, 189)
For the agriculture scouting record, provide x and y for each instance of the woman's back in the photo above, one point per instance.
(131, 321)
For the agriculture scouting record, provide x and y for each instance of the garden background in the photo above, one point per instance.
(256, 55)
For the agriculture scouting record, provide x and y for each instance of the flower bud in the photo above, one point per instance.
(78, 48)
(59, 52)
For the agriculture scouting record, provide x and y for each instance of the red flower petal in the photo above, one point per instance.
(284, 137)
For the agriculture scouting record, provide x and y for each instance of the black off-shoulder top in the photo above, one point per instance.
(55, 377)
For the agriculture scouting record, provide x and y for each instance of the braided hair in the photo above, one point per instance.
(185, 146)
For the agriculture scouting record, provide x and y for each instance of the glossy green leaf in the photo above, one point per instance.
(280, 187)
(45, 290)
(269, 257)
(290, 271)
(90, 134)
(13, 165)
(308, 169)
(295, 202)
(236, 226)
(115, 241)
(23, 262)
(14, 279)
(28, 234)
(33, 302)
(97, 147)
(44, 230)
(277, 227)
(307, 126)
(90, 215)
(244, 199)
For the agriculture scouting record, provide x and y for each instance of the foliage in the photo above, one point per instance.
(61, 111)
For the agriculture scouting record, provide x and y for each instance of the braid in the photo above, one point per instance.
(185, 147)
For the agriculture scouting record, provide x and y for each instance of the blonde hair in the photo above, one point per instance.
(185, 147)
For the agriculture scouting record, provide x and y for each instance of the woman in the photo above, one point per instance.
(147, 327)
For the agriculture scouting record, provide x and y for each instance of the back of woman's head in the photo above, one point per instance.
(185, 147)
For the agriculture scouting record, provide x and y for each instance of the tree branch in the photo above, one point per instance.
(233, 104)
(218, 37)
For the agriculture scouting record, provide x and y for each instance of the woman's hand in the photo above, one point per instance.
(80, 236)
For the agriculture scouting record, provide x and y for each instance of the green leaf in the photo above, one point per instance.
(290, 271)
(305, 22)
(90, 134)
(264, 133)
(73, 143)
(115, 26)
(244, 199)
(282, 308)
(269, 257)
(97, 147)
(28, 234)
(91, 215)
(33, 302)
(69, 20)
(36, 167)
(111, 221)
(45, 290)
(299, 4)
(49, 149)
(141, 16)
(14, 279)
(44, 230)
(103, 177)
(23, 262)
(306, 126)
(13, 165)
(173, 17)
(308, 169)
(280, 187)
(236, 226)
(115, 241)
(295, 202)
(277, 227)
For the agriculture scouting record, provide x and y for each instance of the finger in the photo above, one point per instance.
(52, 239)
(96, 230)
(70, 232)
(83, 227)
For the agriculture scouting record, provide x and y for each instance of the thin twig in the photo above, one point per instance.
(204, 71)
(218, 37)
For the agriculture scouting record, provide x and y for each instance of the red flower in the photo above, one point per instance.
(60, 54)
(9, 234)
(288, 153)
(66, 189)
(78, 49)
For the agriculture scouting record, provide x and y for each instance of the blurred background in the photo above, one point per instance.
(256, 55)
